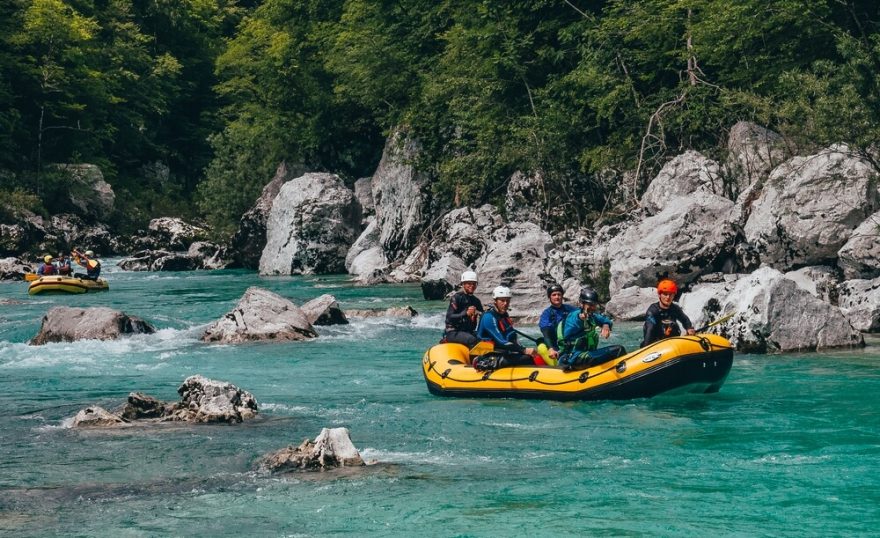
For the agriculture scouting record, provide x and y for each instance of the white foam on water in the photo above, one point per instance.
(284, 407)
(429, 321)
(791, 459)
(165, 342)
(391, 456)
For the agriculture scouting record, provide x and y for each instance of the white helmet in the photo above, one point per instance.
(90, 253)
(501, 292)
(468, 276)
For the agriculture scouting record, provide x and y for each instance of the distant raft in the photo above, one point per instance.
(66, 284)
(697, 364)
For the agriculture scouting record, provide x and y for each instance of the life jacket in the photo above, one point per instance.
(587, 340)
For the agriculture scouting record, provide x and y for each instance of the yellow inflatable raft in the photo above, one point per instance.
(66, 284)
(697, 363)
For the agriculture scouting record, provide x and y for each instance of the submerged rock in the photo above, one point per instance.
(68, 324)
(332, 448)
(96, 416)
(324, 310)
(393, 312)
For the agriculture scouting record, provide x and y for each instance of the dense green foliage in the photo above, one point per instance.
(596, 96)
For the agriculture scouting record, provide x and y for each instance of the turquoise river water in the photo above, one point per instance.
(790, 446)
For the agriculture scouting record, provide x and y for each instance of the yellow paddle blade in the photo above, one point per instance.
(482, 348)
(30, 277)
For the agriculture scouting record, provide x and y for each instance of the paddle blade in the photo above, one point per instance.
(30, 277)
(482, 348)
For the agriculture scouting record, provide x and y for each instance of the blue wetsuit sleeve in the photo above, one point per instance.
(489, 330)
(602, 319)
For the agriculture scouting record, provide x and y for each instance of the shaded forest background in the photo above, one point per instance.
(594, 95)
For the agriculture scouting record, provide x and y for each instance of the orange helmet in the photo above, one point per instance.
(667, 286)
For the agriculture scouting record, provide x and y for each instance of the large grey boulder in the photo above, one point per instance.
(89, 193)
(366, 259)
(514, 257)
(71, 231)
(692, 236)
(68, 324)
(19, 237)
(459, 240)
(401, 195)
(685, 174)
(817, 280)
(773, 314)
(249, 240)
(860, 256)
(13, 269)
(174, 233)
(753, 151)
(631, 304)
(809, 207)
(442, 277)
(261, 315)
(332, 448)
(859, 299)
(313, 221)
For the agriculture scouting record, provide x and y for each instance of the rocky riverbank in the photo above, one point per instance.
(768, 235)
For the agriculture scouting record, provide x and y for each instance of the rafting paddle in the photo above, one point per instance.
(716, 322)
(541, 348)
(30, 277)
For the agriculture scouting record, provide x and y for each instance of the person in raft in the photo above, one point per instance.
(663, 317)
(463, 313)
(47, 268)
(62, 263)
(551, 316)
(578, 335)
(87, 260)
(497, 327)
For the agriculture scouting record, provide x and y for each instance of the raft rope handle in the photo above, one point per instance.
(531, 377)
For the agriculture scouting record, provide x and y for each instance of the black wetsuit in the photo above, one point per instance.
(662, 323)
(461, 329)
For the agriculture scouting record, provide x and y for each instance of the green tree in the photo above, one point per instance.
(281, 106)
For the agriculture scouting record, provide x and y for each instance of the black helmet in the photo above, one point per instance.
(589, 296)
(554, 288)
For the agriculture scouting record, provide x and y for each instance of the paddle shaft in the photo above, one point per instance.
(716, 322)
(524, 335)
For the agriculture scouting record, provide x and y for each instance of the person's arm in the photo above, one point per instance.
(648, 329)
(453, 317)
(489, 328)
(605, 324)
(684, 319)
(545, 322)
